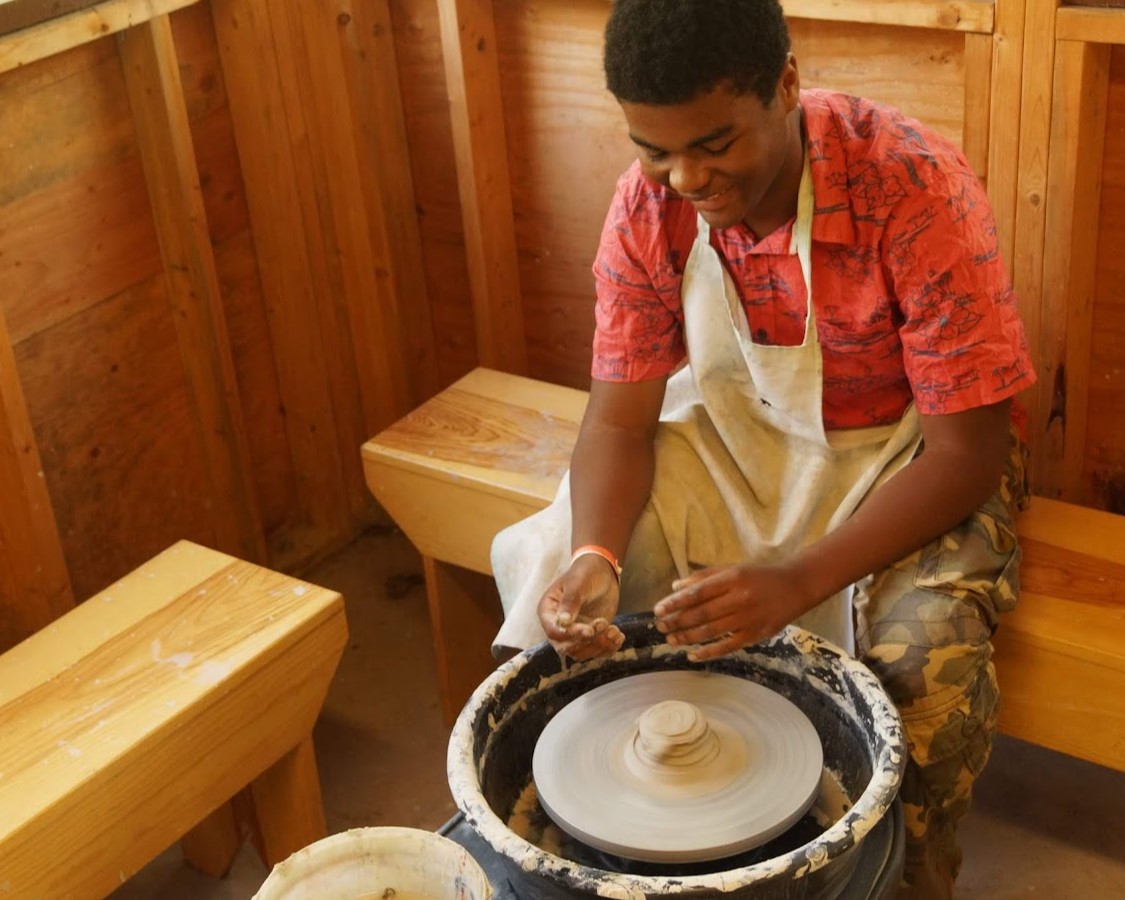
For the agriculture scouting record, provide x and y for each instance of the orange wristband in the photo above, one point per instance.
(595, 550)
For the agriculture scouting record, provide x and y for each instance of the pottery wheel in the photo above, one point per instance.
(677, 766)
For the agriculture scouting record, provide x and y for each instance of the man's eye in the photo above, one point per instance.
(655, 155)
(718, 151)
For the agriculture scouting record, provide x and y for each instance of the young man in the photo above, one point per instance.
(838, 451)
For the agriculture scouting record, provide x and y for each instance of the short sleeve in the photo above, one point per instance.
(963, 341)
(639, 322)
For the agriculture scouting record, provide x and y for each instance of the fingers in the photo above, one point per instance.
(729, 644)
(606, 641)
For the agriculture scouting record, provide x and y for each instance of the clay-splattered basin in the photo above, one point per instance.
(491, 746)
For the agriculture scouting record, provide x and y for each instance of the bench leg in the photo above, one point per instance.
(287, 813)
(212, 845)
(465, 614)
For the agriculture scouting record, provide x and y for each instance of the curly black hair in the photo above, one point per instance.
(662, 52)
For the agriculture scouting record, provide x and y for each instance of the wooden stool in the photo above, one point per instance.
(132, 721)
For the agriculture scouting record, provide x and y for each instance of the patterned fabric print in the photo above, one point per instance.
(911, 298)
(924, 627)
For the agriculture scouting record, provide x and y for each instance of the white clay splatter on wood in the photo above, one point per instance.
(212, 672)
(180, 660)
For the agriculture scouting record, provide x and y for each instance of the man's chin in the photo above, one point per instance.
(721, 218)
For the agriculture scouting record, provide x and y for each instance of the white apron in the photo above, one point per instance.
(745, 471)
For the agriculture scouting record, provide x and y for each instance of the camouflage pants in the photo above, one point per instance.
(924, 626)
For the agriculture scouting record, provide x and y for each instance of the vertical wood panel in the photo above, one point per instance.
(254, 89)
(1070, 261)
(371, 72)
(1105, 429)
(978, 101)
(472, 75)
(309, 38)
(1004, 124)
(366, 369)
(163, 132)
(425, 100)
(1031, 201)
(34, 585)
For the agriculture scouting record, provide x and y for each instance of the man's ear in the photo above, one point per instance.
(789, 84)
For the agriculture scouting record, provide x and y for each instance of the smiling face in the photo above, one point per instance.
(733, 157)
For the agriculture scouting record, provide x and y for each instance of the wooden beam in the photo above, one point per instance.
(472, 72)
(959, 15)
(80, 27)
(978, 101)
(1096, 26)
(1031, 197)
(160, 117)
(254, 77)
(1078, 129)
(34, 584)
(1004, 122)
(16, 15)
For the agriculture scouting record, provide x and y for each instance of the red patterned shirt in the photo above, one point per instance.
(912, 300)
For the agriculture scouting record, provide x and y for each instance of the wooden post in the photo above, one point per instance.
(160, 118)
(1070, 261)
(472, 72)
(1031, 198)
(34, 584)
(287, 806)
(1004, 122)
(465, 614)
(978, 102)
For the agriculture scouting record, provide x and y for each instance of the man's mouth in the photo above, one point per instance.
(713, 201)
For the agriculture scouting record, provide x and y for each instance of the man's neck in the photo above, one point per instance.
(779, 204)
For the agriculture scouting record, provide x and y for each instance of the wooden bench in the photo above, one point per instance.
(491, 448)
(133, 720)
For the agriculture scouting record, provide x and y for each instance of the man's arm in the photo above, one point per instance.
(958, 470)
(610, 480)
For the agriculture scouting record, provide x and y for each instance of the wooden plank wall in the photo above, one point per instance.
(211, 301)
(211, 286)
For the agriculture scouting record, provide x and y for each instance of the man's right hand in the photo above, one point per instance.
(577, 610)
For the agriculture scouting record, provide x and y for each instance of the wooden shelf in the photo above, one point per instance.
(1095, 25)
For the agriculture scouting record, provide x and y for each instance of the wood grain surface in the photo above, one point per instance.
(132, 717)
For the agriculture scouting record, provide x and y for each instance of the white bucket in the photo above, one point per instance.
(379, 863)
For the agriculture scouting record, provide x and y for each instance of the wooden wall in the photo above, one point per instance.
(238, 237)
(211, 285)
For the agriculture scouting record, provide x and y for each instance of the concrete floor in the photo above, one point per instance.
(1043, 826)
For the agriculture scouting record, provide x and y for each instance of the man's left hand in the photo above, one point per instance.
(725, 608)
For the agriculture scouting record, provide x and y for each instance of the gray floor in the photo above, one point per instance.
(1043, 826)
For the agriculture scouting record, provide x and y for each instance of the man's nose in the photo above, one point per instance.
(688, 176)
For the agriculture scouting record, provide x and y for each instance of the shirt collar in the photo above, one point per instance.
(832, 216)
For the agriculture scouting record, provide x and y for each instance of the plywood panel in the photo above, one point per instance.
(920, 71)
(1105, 462)
(107, 397)
(567, 141)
